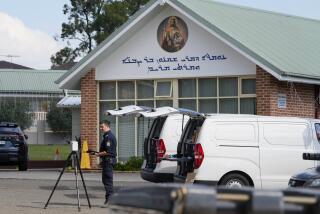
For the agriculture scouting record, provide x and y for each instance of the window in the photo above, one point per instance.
(145, 89)
(187, 88)
(248, 86)
(107, 90)
(126, 90)
(208, 105)
(161, 103)
(188, 93)
(207, 87)
(228, 106)
(218, 95)
(248, 106)
(130, 131)
(126, 137)
(189, 104)
(163, 88)
(102, 116)
(228, 87)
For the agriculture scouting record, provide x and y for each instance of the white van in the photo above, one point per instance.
(162, 139)
(246, 150)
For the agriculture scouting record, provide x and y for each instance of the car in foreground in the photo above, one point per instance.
(309, 178)
(13, 146)
(193, 199)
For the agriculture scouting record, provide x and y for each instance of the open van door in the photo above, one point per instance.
(154, 145)
(127, 110)
(159, 112)
(189, 154)
(156, 148)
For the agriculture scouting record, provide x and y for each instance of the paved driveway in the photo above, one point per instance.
(27, 192)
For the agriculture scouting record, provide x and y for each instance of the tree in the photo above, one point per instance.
(59, 119)
(134, 5)
(113, 16)
(63, 56)
(81, 26)
(92, 21)
(17, 112)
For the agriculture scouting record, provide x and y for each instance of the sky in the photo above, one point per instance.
(28, 27)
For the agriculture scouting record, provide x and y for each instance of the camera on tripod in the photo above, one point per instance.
(74, 146)
(74, 158)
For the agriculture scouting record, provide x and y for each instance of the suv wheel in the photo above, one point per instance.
(235, 181)
(23, 166)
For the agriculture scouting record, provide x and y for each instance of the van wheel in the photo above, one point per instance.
(235, 181)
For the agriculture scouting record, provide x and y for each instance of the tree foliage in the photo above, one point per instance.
(16, 112)
(59, 119)
(134, 5)
(90, 22)
(63, 56)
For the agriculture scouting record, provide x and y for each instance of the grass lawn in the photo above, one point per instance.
(47, 152)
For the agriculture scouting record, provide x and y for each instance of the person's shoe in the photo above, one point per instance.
(105, 204)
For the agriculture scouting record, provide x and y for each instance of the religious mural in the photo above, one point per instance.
(172, 34)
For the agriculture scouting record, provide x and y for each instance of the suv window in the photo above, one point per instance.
(10, 130)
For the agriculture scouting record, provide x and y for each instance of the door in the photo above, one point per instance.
(127, 110)
(316, 139)
(282, 144)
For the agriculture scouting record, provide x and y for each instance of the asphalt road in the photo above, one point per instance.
(27, 192)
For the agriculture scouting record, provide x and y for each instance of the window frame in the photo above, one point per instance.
(156, 88)
(217, 98)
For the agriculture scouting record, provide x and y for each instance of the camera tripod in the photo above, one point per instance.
(74, 157)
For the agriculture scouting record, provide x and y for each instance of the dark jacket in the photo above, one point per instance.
(109, 145)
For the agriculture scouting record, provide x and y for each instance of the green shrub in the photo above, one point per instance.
(16, 112)
(133, 164)
(59, 119)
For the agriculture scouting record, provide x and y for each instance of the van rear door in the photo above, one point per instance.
(153, 142)
(127, 110)
(186, 148)
(316, 138)
(153, 145)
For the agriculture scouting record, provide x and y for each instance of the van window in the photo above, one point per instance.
(294, 134)
(317, 127)
(235, 132)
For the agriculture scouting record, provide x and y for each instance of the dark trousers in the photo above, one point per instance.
(107, 179)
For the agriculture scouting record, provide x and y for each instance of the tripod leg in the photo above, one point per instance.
(55, 186)
(76, 174)
(84, 185)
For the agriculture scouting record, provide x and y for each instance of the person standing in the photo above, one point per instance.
(108, 157)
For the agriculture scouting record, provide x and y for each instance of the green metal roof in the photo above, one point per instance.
(20, 80)
(288, 45)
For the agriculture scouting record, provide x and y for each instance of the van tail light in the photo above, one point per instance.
(198, 155)
(161, 150)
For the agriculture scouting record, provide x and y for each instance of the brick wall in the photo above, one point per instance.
(300, 97)
(88, 115)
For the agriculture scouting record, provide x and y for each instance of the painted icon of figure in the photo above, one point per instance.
(172, 38)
